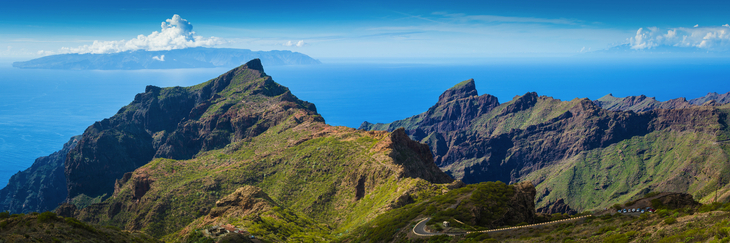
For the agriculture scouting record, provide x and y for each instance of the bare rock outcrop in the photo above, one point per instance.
(558, 206)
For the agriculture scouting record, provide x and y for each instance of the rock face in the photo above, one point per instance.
(456, 110)
(39, 188)
(558, 206)
(171, 59)
(562, 146)
(177, 123)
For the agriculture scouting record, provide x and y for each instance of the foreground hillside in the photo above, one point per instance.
(574, 150)
(48, 227)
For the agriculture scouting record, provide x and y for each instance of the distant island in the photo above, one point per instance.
(180, 58)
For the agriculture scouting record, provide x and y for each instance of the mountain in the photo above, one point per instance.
(166, 163)
(198, 57)
(39, 188)
(574, 150)
(643, 103)
(712, 96)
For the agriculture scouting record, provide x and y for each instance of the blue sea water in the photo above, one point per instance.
(41, 109)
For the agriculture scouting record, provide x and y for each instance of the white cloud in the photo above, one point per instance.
(298, 44)
(176, 33)
(697, 25)
(159, 58)
(716, 38)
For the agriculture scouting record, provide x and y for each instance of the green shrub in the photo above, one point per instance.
(709, 207)
(46, 216)
(663, 213)
(651, 194)
(112, 227)
(616, 206)
(655, 203)
(439, 239)
(78, 224)
(4, 215)
(617, 238)
(670, 220)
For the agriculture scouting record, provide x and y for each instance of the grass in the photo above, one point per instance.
(623, 171)
(313, 175)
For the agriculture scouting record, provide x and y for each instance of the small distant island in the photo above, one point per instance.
(199, 57)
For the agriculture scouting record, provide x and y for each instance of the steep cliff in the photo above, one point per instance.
(39, 188)
(178, 123)
(577, 151)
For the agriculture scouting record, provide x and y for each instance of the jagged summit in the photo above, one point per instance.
(461, 90)
(643, 103)
(719, 98)
(254, 64)
(178, 123)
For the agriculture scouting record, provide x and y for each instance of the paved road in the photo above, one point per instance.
(420, 228)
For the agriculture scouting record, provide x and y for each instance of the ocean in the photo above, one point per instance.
(42, 109)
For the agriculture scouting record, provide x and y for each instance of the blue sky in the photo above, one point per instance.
(374, 29)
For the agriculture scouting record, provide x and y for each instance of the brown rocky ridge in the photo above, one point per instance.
(569, 147)
(642, 103)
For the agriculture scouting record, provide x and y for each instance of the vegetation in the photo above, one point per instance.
(490, 198)
(47, 227)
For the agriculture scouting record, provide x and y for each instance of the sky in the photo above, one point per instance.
(364, 29)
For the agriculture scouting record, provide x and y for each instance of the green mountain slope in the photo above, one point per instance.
(574, 150)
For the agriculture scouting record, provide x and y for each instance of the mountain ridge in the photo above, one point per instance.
(539, 138)
(642, 103)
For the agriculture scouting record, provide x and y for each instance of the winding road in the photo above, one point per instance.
(420, 228)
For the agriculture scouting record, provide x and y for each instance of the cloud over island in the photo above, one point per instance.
(711, 38)
(176, 33)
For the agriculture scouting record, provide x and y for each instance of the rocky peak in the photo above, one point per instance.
(520, 103)
(461, 90)
(255, 64)
(178, 123)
